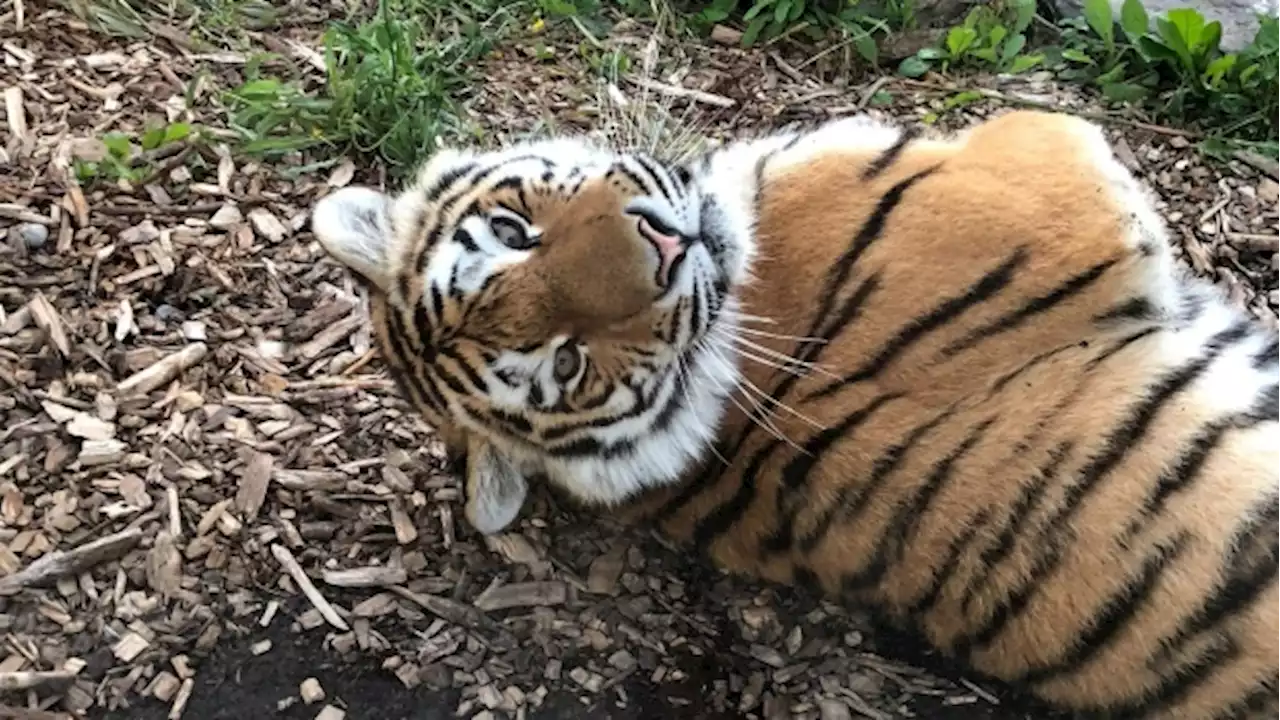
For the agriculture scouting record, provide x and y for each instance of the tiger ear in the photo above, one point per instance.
(354, 226)
(496, 489)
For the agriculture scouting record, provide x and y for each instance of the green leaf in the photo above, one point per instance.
(756, 9)
(1024, 11)
(1133, 19)
(866, 47)
(931, 53)
(753, 31)
(781, 10)
(153, 138)
(984, 54)
(1098, 14)
(1124, 92)
(960, 39)
(1023, 63)
(1217, 70)
(1012, 47)
(961, 98)
(712, 15)
(1075, 55)
(176, 132)
(996, 35)
(913, 67)
(118, 145)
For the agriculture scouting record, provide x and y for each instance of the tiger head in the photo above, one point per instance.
(554, 309)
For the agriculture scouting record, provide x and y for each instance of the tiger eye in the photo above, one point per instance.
(566, 362)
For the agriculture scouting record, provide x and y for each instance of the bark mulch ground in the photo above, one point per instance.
(214, 505)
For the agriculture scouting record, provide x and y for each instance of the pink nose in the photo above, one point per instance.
(669, 247)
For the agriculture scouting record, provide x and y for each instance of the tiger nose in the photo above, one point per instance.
(670, 247)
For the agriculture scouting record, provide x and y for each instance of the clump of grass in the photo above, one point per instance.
(391, 90)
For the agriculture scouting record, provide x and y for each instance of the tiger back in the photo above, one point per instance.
(959, 381)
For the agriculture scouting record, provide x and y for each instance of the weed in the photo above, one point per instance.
(391, 86)
(1178, 69)
(122, 162)
(991, 36)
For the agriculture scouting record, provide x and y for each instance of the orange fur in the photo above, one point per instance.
(991, 448)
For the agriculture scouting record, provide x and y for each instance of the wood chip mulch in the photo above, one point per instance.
(213, 503)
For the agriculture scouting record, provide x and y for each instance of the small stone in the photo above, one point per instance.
(623, 660)
(329, 712)
(130, 646)
(227, 217)
(34, 235)
(1269, 191)
(164, 686)
(260, 647)
(829, 709)
(310, 691)
(266, 225)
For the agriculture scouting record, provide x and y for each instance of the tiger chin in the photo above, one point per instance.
(959, 381)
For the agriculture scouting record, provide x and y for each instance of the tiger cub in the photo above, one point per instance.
(959, 381)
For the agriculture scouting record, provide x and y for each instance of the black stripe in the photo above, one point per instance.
(1118, 346)
(920, 607)
(463, 237)
(1017, 372)
(1177, 683)
(808, 350)
(984, 289)
(1257, 702)
(664, 180)
(717, 522)
(1115, 446)
(1251, 568)
(853, 496)
(793, 493)
(882, 161)
(1184, 471)
(1116, 614)
(1030, 309)
(904, 525)
(1268, 356)
(1029, 498)
(1133, 309)
(445, 180)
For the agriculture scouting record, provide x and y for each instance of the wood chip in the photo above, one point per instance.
(180, 702)
(163, 371)
(329, 712)
(27, 680)
(130, 646)
(86, 426)
(406, 533)
(59, 564)
(295, 571)
(47, 319)
(253, 485)
(310, 691)
(365, 577)
(528, 594)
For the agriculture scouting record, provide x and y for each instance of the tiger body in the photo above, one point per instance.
(958, 381)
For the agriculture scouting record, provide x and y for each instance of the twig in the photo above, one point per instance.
(673, 91)
(1027, 102)
(308, 588)
(870, 92)
(17, 713)
(15, 112)
(1252, 241)
(60, 564)
(163, 370)
(1259, 162)
(27, 680)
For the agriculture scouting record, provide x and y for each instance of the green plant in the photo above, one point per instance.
(122, 160)
(990, 36)
(1178, 69)
(767, 20)
(390, 90)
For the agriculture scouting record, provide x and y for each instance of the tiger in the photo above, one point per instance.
(959, 380)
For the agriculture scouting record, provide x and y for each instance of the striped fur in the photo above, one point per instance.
(974, 393)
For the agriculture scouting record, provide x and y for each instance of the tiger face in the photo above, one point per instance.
(553, 309)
